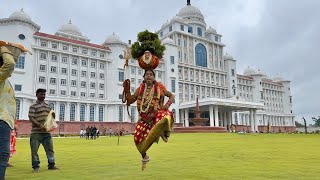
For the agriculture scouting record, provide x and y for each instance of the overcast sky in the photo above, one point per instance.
(276, 36)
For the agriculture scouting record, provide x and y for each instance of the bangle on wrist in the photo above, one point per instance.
(168, 103)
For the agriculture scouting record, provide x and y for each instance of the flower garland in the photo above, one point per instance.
(153, 97)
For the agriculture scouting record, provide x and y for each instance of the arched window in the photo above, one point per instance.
(92, 112)
(82, 112)
(133, 114)
(18, 103)
(190, 29)
(51, 105)
(101, 112)
(72, 112)
(201, 55)
(199, 31)
(120, 113)
(62, 112)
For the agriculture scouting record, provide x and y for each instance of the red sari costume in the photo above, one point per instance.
(153, 122)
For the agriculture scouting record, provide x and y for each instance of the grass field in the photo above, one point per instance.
(185, 156)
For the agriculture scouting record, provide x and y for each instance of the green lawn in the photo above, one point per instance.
(185, 156)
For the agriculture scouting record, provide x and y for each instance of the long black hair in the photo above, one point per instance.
(154, 74)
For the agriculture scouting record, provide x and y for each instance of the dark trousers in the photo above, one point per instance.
(4, 147)
(46, 140)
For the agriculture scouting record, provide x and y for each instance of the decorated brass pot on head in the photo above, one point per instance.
(147, 50)
(148, 61)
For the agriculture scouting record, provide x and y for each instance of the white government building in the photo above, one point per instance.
(84, 80)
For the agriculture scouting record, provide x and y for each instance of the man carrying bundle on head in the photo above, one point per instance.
(9, 54)
(155, 118)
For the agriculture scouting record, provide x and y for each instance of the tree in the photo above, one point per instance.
(316, 121)
(305, 125)
(298, 124)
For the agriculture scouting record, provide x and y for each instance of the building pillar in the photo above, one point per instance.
(211, 115)
(97, 113)
(77, 118)
(105, 114)
(230, 119)
(255, 120)
(87, 112)
(181, 116)
(251, 120)
(225, 124)
(177, 115)
(21, 112)
(216, 117)
(186, 117)
(67, 111)
(57, 111)
(293, 123)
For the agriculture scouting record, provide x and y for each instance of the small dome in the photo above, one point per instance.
(278, 78)
(70, 29)
(165, 24)
(190, 12)
(264, 75)
(167, 41)
(21, 15)
(113, 38)
(227, 56)
(249, 71)
(176, 19)
(210, 30)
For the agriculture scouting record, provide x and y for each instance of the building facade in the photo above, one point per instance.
(252, 101)
(84, 80)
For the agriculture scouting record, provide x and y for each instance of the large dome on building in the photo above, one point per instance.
(21, 15)
(70, 29)
(113, 38)
(278, 78)
(264, 75)
(190, 11)
(249, 71)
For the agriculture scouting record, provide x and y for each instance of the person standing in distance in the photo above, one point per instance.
(38, 113)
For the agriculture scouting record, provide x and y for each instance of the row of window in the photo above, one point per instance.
(83, 111)
(74, 94)
(74, 49)
(273, 120)
(74, 60)
(271, 86)
(201, 76)
(74, 72)
(63, 82)
(190, 30)
(245, 81)
(200, 91)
